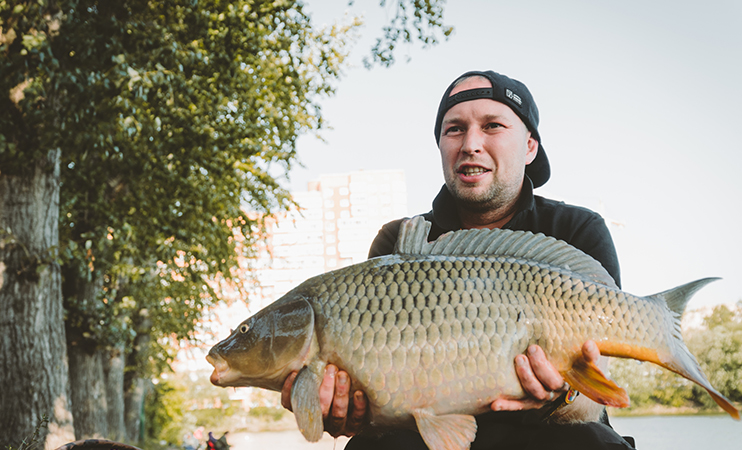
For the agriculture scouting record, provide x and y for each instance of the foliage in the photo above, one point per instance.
(210, 98)
(418, 20)
(163, 412)
(274, 413)
(718, 348)
(182, 401)
(648, 384)
(173, 119)
(25, 32)
(719, 351)
(179, 403)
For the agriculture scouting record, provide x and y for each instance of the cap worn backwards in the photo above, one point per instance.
(515, 95)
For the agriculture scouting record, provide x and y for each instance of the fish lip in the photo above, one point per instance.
(223, 375)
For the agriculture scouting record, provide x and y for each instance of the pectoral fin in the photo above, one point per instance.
(305, 401)
(448, 432)
(587, 378)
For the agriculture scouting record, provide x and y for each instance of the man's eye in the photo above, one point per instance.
(453, 129)
(492, 125)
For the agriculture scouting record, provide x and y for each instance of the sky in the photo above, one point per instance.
(640, 112)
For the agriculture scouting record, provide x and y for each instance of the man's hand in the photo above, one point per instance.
(341, 417)
(540, 380)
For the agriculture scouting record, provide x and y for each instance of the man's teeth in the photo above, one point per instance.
(469, 171)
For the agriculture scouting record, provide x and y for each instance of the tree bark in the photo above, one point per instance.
(87, 378)
(134, 398)
(88, 391)
(33, 354)
(113, 369)
(135, 387)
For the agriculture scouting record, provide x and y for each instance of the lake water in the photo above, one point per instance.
(650, 432)
(282, 440)
(681, 432)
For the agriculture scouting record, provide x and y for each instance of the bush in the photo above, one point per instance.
(274, 413)
(718, 348)
(179, 403)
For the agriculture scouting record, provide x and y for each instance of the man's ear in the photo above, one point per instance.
(532, 151)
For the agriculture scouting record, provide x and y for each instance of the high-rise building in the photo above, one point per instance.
(338, 217)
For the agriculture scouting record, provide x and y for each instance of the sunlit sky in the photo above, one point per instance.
(640, 112)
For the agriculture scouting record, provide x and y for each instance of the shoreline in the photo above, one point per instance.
(661, 410)
(288, 423)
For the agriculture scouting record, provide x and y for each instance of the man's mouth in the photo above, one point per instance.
(471, 171)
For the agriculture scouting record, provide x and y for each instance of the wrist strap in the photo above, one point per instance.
(563, 400)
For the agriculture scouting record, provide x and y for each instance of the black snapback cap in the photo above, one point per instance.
(517, 97)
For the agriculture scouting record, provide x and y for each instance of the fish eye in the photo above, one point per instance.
(244, 328)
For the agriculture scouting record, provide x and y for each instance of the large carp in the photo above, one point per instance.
(430, 332)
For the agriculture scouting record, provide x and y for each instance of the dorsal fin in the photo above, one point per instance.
(413, 240)
(677, 298)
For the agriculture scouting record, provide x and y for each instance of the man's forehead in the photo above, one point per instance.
(487, 110)
(471, 83)
(473, 86)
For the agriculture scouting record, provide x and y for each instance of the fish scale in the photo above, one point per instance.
(430, 336)
(478, 357)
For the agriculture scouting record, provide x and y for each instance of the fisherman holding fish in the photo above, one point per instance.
(487, 132)
(480, 324)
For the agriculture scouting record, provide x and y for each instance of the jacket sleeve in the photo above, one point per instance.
(385, 240)
(594, 238)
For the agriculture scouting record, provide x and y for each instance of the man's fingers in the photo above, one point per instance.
(327, 389)
(340, 402)
(335, 421)
(504, 404)
(286, 391)
(357, 417)
(531, 384)
(540, 380)
(548, 378)
(590, 351)
(340, 416)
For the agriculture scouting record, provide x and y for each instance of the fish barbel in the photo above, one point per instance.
(430, 332)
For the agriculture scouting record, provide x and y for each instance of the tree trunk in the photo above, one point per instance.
(113, 369)
(88, 389)
(134, 398)
(135, 387)
(33, 354)
(87, 379)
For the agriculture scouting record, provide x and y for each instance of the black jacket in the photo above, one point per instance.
(580, 227)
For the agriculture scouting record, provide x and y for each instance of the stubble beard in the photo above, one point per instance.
(496, 200)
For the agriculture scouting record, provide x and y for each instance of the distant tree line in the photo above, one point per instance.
(717, 346)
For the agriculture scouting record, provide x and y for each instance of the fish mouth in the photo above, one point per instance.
(223, 375)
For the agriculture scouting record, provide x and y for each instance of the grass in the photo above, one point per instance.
(33, 441)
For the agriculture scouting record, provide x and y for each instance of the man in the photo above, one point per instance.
(492, 157)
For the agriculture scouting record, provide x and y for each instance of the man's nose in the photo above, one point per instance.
(473, 141)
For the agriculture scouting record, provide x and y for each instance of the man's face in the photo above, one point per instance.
(485, 148)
